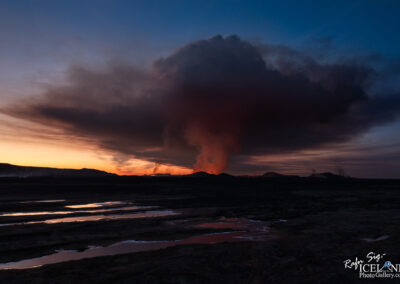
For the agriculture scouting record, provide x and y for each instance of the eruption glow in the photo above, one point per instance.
(212, 99)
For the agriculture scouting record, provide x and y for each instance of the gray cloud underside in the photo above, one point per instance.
(237, 97)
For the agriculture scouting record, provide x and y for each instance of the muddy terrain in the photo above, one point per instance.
(198, 229)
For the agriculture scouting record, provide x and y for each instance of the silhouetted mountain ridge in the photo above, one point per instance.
(8, 170)
(208, 175)
(328, 175)
(278, 175)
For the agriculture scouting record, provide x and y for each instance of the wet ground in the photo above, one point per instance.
(191, 230)
(242, 230)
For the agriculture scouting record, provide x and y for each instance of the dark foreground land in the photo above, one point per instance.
(328, 221)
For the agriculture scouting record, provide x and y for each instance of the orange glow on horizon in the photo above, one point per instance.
(28, 144)
(77, 157)
(164, 169)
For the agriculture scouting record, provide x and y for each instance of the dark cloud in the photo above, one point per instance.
(215, 98)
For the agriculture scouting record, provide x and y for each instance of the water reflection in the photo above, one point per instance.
(35, 213)
(252, 231)
(44, 201)
(146, 214)
(95, 205)
(237, 224)
(64, 255)
(76, 211)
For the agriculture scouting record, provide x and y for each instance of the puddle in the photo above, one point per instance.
(96, 205)
(146, 214)
(250, 231)
(381, 238)
(68, 255)
(44, 201)
(76, 211)
(247, 229)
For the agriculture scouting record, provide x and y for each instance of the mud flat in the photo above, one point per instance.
(222, 230)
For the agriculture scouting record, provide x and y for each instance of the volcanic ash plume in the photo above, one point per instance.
(212, 99)
(214, 146)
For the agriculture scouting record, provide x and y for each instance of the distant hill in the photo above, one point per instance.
(225, 175)
(327, 175)
(7, 170)
(277, 175)
(205, 175)
(201, 175)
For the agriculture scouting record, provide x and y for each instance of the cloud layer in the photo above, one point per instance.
(212, 99)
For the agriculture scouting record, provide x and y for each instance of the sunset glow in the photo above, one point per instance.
(199, 141)
(238, 98)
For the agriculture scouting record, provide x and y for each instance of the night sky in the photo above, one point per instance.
(245, 87)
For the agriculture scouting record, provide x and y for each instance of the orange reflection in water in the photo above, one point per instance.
(94, 205)
(75, 211)
(146, 214)
(252, 231)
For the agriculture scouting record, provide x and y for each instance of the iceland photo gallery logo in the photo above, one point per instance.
(374, 265)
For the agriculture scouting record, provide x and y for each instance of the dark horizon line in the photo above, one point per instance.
(101, 173)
